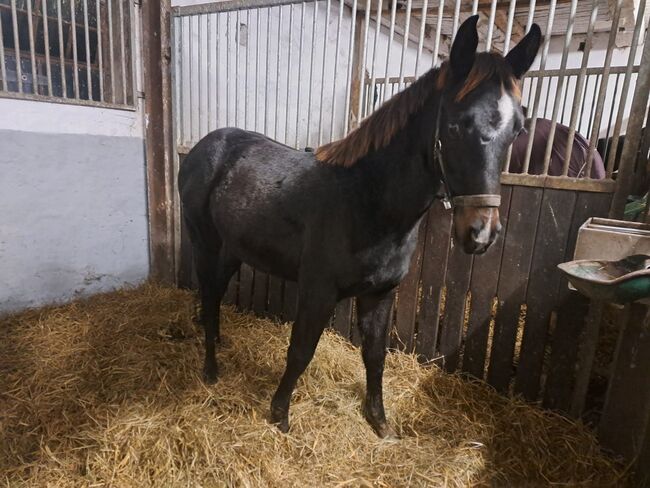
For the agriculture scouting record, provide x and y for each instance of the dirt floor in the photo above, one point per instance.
(107, 392)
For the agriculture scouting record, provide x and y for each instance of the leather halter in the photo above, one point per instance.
(450, 201)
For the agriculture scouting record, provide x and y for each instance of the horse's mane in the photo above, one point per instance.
(376, 131)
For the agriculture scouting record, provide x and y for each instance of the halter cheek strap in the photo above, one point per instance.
(450, 201)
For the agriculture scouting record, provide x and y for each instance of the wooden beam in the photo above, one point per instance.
(156, 52)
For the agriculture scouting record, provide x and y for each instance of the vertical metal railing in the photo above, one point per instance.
(78, 50)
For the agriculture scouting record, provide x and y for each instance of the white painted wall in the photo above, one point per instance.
(73, 215)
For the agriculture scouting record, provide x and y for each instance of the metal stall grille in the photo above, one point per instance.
(305, 73)
(71, 51)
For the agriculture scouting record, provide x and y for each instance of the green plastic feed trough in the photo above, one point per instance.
(623, 281)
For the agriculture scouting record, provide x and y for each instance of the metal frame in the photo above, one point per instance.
(104, 66)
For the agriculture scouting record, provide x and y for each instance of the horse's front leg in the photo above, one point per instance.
(374, 314)
(316, 303)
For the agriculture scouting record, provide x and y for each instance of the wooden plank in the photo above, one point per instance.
(275, 297)
(260, 292)
(571, 311)
(626, 412)
(290, 303)
(549, 251)
(459, 269)
(408, 296)
(245, 298)
(343, 318)
(483, 288)
(434, 266)
(233, 288)
(158, 136)
(511, 290)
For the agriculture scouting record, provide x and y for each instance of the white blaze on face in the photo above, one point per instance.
(506, 110)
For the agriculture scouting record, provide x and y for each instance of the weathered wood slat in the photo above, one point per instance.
(571, 313)
(459, 268)
(408, 296)
(275, 297)
(343, 317)
(517, 252)
(483, 288)
(434, 265)
(260, 290)
(245, 287)
(290, 302)
(550, 248)
(626, 412)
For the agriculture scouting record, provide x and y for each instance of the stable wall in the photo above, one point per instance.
(73, 214)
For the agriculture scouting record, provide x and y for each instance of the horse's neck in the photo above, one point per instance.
(410, 179)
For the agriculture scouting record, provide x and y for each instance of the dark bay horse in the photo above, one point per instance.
(343, 221)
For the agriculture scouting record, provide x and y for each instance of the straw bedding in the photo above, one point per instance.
(107, 392)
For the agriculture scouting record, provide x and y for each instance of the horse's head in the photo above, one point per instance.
(479, 117)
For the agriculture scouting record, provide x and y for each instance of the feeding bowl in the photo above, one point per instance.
(623, 281)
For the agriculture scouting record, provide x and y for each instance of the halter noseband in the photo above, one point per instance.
(449, 201)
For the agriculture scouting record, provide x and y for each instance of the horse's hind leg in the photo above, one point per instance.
(315, 305)
(214, 268)
(374, 313)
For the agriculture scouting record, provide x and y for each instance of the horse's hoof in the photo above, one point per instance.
(281, 420)
(210, 375)
(386, 432)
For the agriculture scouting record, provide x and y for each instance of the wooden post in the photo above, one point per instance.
(156, 54)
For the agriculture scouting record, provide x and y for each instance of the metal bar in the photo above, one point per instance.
(68, 101)
(493, 12)
(277, 75)
(531, 15)
(100, 55)
(374, 51)
(228, 6)
(74, 50)
(611, 110)
(87, 39)
(456, 19)
(46, 40)
(593, 103)
(286, 110)
(363, 61)
(19, 71)
(257, 67)
(348, 86)
(423, 23)
(266, 68)
(32, 51)
(123, 51)
(511, 18)
(181, 71)
(3, 71)
(228, 70)
(533, 122)
(190, 85)
(626, 86)
(217, 97)
(302, 32)
(336, 68)
(576, 71)
(405, 42)
(436, 45)
(474, 7)
(391, 35)
(625, 176)
(208, 26)
(246, 71)
(322, 91)
(199, 62)
(237, 22)
(110, 45)
(602, 92)
(560, 84)
(559, 182)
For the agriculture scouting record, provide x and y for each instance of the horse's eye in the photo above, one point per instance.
(486, 140)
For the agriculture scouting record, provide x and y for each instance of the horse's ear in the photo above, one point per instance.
(521, 56)
(463, 50)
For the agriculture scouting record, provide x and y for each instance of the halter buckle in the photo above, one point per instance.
(446, 203)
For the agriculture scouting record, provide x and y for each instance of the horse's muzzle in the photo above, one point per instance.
(476, 228)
